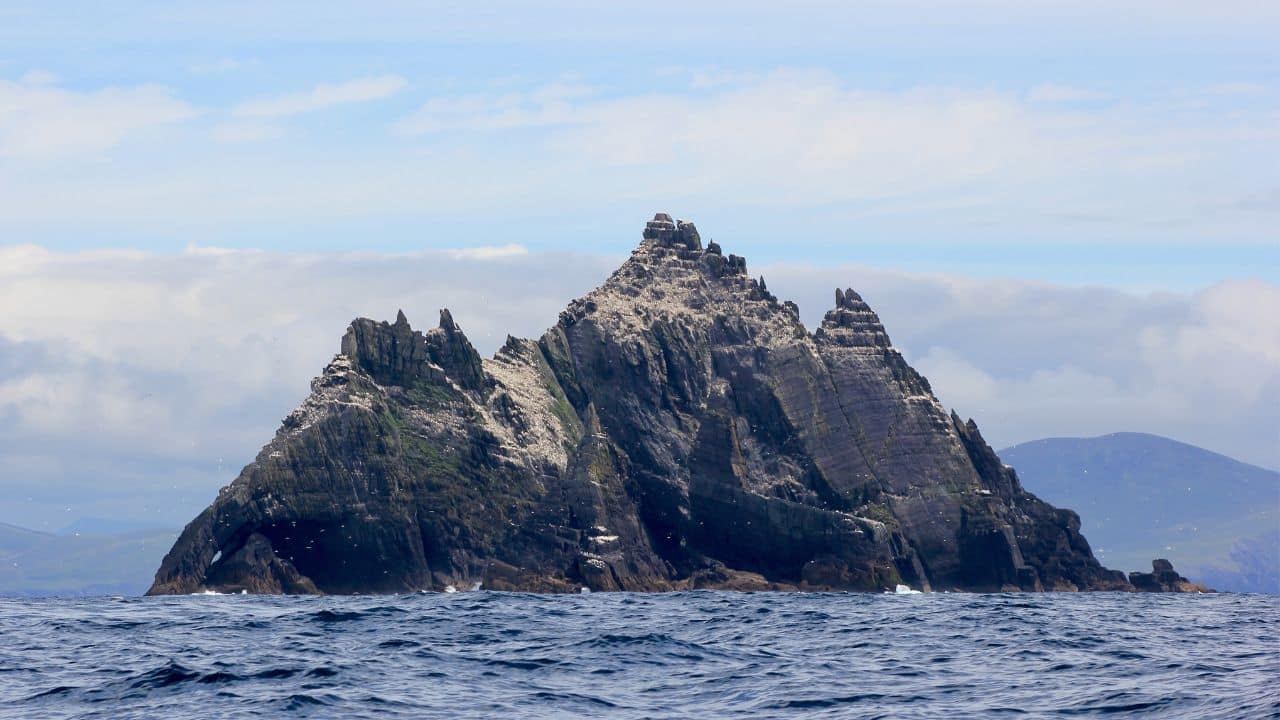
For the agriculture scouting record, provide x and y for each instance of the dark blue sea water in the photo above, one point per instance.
(682, 655)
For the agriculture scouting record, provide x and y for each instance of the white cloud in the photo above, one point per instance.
(488, 252)
(323, 96)
(795, 139)
(917, 162)
(830, 142)
(39, 121)
(546, 106)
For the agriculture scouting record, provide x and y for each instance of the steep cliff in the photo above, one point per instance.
(678, 427)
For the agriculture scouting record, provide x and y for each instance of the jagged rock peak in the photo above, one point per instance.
(390, 354)
(853, 323)
(671, 240)
(850, 300)
(396, 354)
(669, 273)
(449, 348)
(668, 233)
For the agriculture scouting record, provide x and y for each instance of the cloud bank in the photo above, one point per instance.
(757, 152)
(41, 122)
(324, 95)
(135, 384)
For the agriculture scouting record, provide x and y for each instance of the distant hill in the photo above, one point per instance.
(1142, 496)
(16, 539)
(105, 526)
(37, 563)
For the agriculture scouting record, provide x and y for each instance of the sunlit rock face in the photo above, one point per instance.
(677, 428)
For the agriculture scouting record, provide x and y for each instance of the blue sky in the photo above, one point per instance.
(1128, 144)
(1065, 212)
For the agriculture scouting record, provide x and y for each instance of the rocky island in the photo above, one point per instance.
(677, 428)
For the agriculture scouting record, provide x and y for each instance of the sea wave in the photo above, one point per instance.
(691, 655)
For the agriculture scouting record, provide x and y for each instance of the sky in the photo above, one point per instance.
(1065, 212)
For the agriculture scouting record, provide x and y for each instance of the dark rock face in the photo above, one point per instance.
(1163, 578)
(678, 427)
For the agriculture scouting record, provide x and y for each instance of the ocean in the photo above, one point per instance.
(678, 655)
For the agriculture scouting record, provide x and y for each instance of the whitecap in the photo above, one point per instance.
(450, 589)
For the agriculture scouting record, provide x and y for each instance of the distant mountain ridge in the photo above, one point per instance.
(39, 563)
(1139, 495)
(105, 526)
